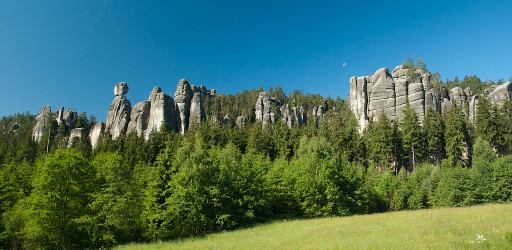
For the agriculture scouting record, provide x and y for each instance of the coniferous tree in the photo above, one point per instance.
(412, 136)
(456, 137)
(433, 130)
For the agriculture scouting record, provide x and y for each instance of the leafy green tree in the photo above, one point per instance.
(116, 205)
(49, 217)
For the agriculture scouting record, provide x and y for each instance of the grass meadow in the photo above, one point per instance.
(485, 226)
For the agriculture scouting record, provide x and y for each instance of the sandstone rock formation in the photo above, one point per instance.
(263, 110)
(41, 120)
(162, 110)
(388, 93)
(241, 121)
(139, 118)
(227, 121)
(287, 116)
(183, 97)
(67, 117)
(118, 115)
(317, 114)
(301, 118)
(75, 133)
(501, 93)
(97, 134)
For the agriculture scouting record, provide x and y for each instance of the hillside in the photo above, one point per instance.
(444, 228)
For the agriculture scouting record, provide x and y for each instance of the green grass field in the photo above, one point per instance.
(430, 228)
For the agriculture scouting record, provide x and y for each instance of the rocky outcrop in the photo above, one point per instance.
(501, 93)
(139, 118)
(473, 109)
(67, 117)
(287, 116)
(263, 109)
(301, 118)
(41, 121)
(317, 114)
(182, 97)
(227, 121)
(388, 93)
(197, 114)
(97, 134)
(190, 104)
(118, 115)
(241, 121)
(162, 111)
(75, 133)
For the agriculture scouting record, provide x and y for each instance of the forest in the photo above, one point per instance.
(216, 178)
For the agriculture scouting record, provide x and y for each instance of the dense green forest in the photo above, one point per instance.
(215, 178)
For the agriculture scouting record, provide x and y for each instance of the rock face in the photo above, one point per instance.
(97, 134)
(263, 110)
(162, 111)
(301, 118)
(41, 120)
(67, 117)
(388, 93)
(190, 104)
(317, 114)
(227, 121)
(385, 93)
(241, 121)
(287, 116)
(75, 133)
(139, 118)
(118, 115)
(501, 93)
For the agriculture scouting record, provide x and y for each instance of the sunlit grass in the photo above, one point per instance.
(470, 227)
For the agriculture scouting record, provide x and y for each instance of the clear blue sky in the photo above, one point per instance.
(72, 53)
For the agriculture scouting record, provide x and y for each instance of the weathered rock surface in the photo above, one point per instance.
(41, 120)
(139, 118)
(227, 121)
(241, 121)
(162, 111)
(286, 115)
(501, 93)
(301, 118)
(75, 133)
(197, 113)
(190, 104)
(97, 134)
(473, 109)
(118, 115)
(388, 93)
(263, 109)
(121, 89)
(317, 114)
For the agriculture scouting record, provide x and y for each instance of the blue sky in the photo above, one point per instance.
(72, 53)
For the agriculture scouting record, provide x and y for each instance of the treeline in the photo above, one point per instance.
(215, 178)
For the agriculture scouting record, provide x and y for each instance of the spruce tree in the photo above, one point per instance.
(433, 130)
(412, 137)
(456, 136)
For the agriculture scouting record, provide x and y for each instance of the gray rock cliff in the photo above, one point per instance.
(41, 121)
(118, 115)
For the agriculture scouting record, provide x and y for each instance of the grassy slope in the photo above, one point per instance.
(432, 228)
